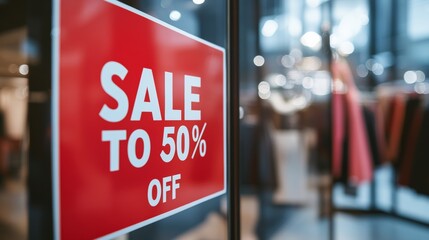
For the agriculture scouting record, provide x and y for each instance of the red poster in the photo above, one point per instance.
(139, 119)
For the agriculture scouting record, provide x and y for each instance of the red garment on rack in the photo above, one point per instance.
(381, 113)
(396, 125)
(360, 162)
(338, 132)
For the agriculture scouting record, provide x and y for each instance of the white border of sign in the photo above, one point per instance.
(55, 121)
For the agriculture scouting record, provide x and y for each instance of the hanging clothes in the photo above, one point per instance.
(382, 124)
(395, 125)
(419, 177)
(371, 130)
(410, 136)
(359, 156)
(338, 132)
(406, 133)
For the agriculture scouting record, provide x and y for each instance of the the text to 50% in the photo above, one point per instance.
(180, 143)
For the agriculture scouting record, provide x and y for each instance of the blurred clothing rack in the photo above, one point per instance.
(406, 124)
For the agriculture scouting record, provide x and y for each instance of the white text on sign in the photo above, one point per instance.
(162, 187)
(147, 85)
(152, 106)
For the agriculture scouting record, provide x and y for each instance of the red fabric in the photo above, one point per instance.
(337, 132)
(360, 162)
(397, 122)
(380, 117)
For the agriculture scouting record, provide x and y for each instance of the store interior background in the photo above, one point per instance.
(316, 78)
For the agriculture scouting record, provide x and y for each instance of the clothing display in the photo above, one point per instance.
(419, 177)
(395, 123)
(406, 134)
(371, 130)
(411, 126)
(338, 133)
(396, 118)
(349, 129)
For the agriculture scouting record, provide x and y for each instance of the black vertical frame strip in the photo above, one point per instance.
(372, 5)
(39, 22)
(394, 35)
(233, 120)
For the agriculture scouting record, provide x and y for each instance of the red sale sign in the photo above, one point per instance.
(139, 121)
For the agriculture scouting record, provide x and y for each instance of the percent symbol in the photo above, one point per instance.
(200, 143)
